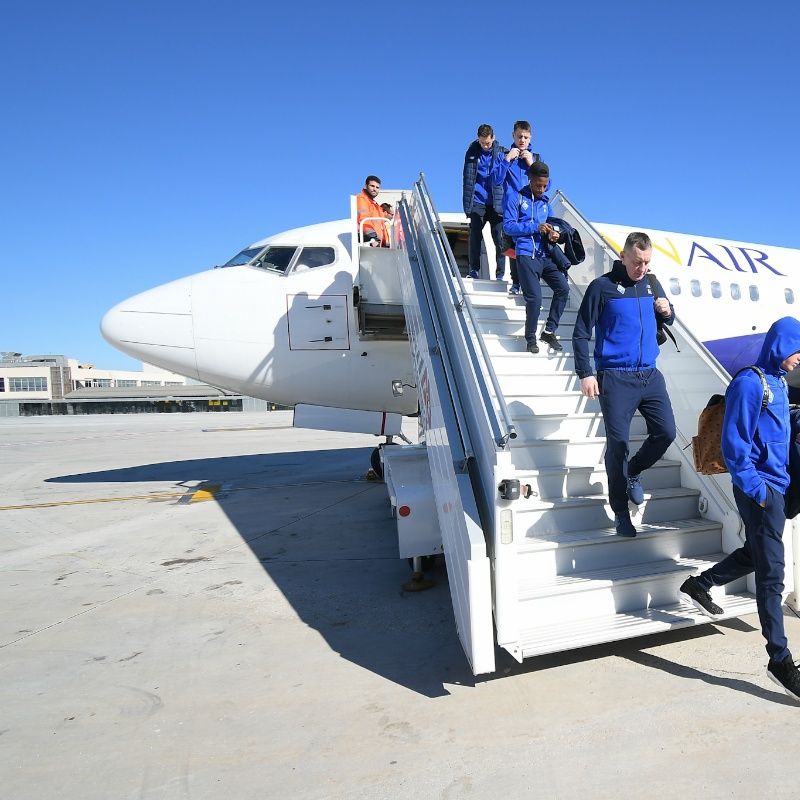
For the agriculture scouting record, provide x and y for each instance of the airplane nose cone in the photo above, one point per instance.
(156, 327)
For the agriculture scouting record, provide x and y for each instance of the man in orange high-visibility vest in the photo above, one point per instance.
(375, 232)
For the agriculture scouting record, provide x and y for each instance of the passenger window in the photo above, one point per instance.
(311, 257)
(674, 286)
(735, 291)
(789, 295)
(694, 285)
(277, 258)
(716, 289)
(754, 293)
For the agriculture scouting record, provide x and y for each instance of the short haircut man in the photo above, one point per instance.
(372, 232)
(525, 215)
(482, 193)
(620, 309)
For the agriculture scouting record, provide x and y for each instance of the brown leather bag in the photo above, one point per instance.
(707, 445)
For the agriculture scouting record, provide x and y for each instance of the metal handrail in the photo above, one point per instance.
(387, 222)
(507, 430)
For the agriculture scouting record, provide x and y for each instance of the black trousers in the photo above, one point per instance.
(761, 553)
(621, 395)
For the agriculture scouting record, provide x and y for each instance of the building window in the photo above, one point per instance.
(124, 383)
(674, 286)
(2, 384)
(173, 383)
(736, 292)
(694, 285)
(716, 289)
(101, 383)
(27, 384)
(754, 293)
(151, 383)
(789, 295)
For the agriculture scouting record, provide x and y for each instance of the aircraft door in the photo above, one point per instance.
(318, 322)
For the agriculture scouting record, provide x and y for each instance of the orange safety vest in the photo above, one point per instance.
(367, 207)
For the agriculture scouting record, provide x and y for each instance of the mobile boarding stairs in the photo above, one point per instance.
(546, 573)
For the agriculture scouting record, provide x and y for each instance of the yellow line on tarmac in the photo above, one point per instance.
(205, 492)
(199, 495)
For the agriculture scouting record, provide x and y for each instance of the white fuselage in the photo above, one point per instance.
(290, 334)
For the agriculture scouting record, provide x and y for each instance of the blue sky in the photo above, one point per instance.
(145, 141)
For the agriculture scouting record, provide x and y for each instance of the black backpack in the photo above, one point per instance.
(662, 330)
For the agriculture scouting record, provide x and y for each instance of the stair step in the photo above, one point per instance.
(516, 326)
(613, 590)
(555, 638)
(502, 299)
(508, 344)
(544, 556)
(516, 311)
(522, 381)
(537, 453)
(559, 426)
(536, 517)
(540, 403)
(553, 482)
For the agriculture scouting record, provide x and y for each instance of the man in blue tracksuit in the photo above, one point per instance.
(755, 446)
(483, 198)
(511, 173)
(621, 309)
(525, 216)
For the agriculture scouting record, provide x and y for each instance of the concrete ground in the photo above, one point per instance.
(251, 640)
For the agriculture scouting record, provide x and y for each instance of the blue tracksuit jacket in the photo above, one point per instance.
(471, 158)
(621, 313)
(512, 175)
(522, 215)
(755, 443)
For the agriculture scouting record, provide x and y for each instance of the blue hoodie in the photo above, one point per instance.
(755, 444)
(522, 215)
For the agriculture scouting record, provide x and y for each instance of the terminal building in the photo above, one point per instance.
(34, 385)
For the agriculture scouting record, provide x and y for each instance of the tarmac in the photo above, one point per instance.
(210, 606)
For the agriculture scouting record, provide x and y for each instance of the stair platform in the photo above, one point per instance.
(542, 639)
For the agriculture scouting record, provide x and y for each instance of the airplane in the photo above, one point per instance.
(280, 320)
(313, 319)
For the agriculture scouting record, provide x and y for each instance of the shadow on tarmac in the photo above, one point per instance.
(325, 538)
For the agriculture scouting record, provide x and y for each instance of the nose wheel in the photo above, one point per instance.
(375, 457)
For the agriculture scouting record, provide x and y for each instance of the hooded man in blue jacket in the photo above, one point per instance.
(483, 197)
(755, 446)
(621, 309)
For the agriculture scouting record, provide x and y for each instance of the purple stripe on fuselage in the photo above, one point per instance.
(737, 351)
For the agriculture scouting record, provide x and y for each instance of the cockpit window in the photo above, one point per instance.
(311, 257)
(277, 257)
(243, 258)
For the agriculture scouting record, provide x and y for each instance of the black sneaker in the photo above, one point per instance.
(786, 675)
(550, 338)
(692, 592)
(624, 526)
(533, 347)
